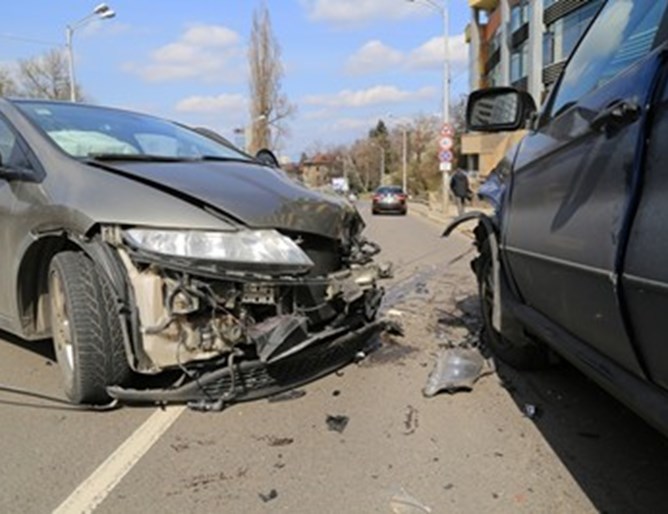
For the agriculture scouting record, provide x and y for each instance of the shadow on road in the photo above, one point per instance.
(42, 347)
(618, 460)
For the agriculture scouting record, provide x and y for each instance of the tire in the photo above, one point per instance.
(521, 355)
(87, 332)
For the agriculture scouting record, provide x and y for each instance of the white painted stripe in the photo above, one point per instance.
(96, 487)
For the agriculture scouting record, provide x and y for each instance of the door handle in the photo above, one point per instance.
(616, 115)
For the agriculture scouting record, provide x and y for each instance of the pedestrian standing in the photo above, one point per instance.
(459, 185)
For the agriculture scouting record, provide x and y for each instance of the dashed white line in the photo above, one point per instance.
(97, 486)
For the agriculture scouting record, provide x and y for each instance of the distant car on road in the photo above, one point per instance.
(389, 199)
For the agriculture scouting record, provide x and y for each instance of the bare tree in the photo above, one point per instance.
(7, 83)
(45, 76)
(269, 106)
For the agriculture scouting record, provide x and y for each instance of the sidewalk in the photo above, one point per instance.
(437, 216)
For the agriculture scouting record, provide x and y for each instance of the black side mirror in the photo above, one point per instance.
(14, 174)
(268, 158)
(499, 109)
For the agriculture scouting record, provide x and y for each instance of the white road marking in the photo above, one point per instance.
(96, 487)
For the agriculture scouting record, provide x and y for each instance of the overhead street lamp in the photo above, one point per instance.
(102, 11)
(443, 7)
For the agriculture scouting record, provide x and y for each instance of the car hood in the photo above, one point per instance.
(257, 196)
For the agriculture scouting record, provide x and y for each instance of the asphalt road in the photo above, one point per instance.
(469, 452)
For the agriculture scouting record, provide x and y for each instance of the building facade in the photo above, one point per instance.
(519, 43)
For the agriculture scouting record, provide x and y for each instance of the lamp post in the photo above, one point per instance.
(382, 165)
(442, 7)
(102, 11)
(404, 152)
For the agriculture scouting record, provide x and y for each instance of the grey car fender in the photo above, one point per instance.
(490, 234)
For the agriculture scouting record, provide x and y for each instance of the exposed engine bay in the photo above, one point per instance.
(197, 316)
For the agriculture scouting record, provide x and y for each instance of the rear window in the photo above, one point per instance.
(389, 190)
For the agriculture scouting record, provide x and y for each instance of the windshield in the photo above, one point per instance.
(85, 131)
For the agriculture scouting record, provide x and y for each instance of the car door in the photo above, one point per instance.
(574, 178)
(13, 202)
(8, 147)
(645, 277)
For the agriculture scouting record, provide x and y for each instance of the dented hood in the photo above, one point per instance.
(257, 196)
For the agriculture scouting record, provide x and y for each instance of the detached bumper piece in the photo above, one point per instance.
(215, 388)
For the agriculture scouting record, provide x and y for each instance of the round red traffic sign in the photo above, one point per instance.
(447, 130)
(446, 143)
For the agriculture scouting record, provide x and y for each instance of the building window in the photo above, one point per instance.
(518, 62)
(519, 15)
(494, 76)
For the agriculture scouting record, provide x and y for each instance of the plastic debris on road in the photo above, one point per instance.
(404, 503)
(337, 423)
(457, 369)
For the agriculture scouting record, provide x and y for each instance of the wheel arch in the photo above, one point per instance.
(32, 277)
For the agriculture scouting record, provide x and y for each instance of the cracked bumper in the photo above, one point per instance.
(250, 380)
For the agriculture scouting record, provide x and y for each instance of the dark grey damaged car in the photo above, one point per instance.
(145, 248)
(575, 259)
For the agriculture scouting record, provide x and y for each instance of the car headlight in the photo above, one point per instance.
(244, 248)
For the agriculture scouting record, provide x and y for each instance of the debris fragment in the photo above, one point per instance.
(531, 411)
(395, 313)
(280, 441)
(337, 423)
(404, 503)
(271, 495)
(412, 422)
(336, 392)
(386, 270)
(456, 369)
(292, 394)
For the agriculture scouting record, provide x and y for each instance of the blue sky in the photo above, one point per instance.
(347, 62)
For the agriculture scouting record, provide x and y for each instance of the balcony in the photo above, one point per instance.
(485, 5)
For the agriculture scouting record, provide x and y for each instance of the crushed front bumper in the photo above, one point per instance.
(221, 384)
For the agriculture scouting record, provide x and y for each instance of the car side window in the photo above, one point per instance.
(623, 32)
(7, 143)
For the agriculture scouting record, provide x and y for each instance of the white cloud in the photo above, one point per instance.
(431, 54)
(358, 11)
(227, 103)
(372, 96)
(352, 124)
(209, 52)
(373, 57)
(376, 57)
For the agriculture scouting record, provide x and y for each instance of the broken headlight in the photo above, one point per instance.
(241, 249)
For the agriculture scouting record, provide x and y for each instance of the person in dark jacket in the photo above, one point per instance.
(459, 185)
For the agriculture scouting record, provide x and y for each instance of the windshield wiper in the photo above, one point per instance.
(135, 157)
(220, 158)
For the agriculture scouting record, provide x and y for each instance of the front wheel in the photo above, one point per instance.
(524, 355)
(87, 332)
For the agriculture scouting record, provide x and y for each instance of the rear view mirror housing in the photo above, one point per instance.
(499, 109)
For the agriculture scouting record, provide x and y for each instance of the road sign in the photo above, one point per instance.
(445, 156)
(446, 143)
(447, 130)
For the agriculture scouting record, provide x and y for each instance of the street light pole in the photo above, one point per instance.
(404, 159)
(403, 125)
(102, 11)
